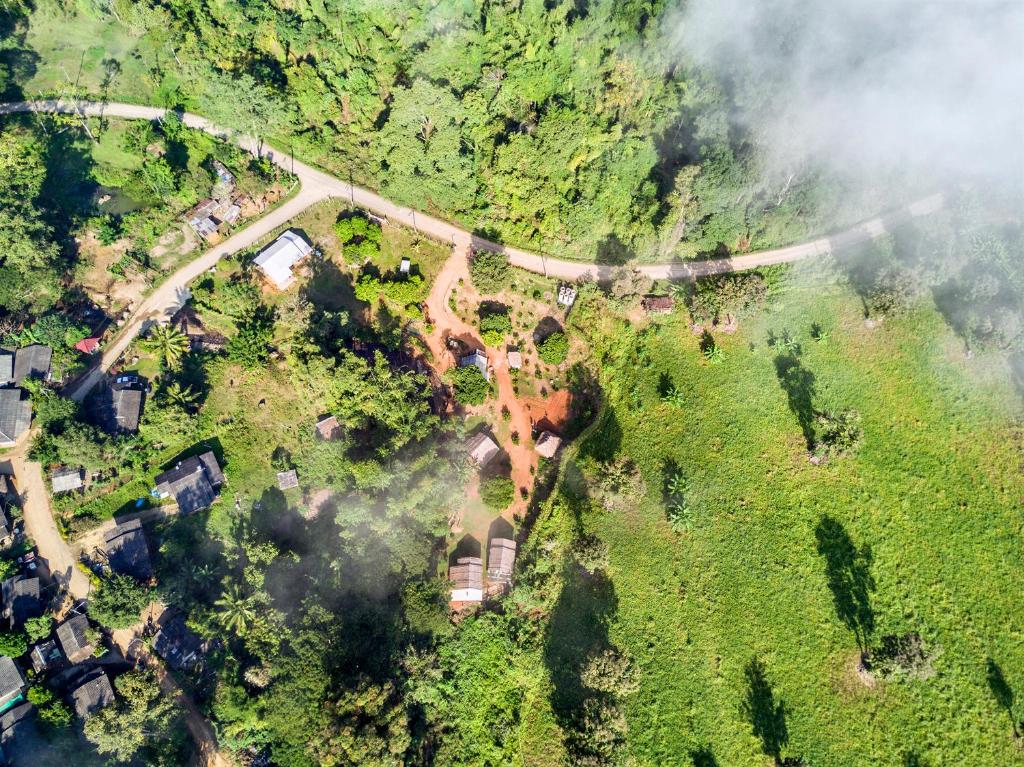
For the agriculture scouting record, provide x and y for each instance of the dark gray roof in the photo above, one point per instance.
(32, 362)
(92, 695)
(118, 407)
(45, 655)
(73, 640)
(6, 366)
(127, 552)
(7, 485)
(11, 680)
(10, 721)
(21, 599)
(15, 415)
(193, 482)
(5, 524)
(177, 645)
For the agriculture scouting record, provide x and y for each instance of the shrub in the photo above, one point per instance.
(727, 298)
(109, 230)
(840, 433)
(494, 327)
(471, 388)
(554, 349)
(497, 492)
(118, 602)
(489, 271)
(359, 236)
(900, 655)
(13, 644)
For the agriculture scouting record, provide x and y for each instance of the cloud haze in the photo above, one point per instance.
(923, 89)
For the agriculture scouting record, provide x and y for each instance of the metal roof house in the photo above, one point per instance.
(74, 639)
(476, 359)
(177, 645)
(482, 449)
(515, 359)
(21, 599)
(32, 362)
(501, 558)
(45, 656)
(12, 683)
(467, 579)
(118, 407)
(193, 482)
(93, 694)
(6, 367)
(547, 444)
(328, 428)
(127, 552)
(279, 257)
(15, 416)
(66, 479)
(286, 480)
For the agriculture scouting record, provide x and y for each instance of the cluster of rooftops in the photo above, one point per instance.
(17, 365)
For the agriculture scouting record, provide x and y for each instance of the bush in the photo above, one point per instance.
(494, 327)
(489, 271)
(497, 492)
(109, 230)
(840, 433)
(118, 602)
(13, 644)
(554, 349)
(471, 388)
(727, 298)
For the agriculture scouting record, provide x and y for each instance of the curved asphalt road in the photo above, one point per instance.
(317, 185)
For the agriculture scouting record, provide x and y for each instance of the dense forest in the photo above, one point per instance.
(571, 127)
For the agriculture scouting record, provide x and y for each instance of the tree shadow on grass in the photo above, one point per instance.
(578, 627)
(703, 757)
(767, 716)
(798, 384)
(1001, 691)
(604, 442)
(848, 572)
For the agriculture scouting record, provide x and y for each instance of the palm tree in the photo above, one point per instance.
(236, 612)
(184, 397)
(166, 342)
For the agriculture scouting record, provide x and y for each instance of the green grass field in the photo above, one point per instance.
(935, 491)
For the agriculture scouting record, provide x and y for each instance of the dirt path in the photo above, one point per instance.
(447, 325)
(40, 526)
(202, 732)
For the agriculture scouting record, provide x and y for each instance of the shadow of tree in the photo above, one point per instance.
(578, 627)
(848, 573)
(612, 251)
(703, 757)
(799, 385)
(604, 442)
(766, 716)
(1001, 691)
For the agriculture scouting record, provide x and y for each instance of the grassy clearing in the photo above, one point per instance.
(934, 492)
(72, 48)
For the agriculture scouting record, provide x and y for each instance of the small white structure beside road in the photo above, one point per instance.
(277, 260)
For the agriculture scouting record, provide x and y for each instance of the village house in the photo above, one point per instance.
(66, 480)
(92, 694)
(32, 362)
(12, 683)
(467, 580)
(6, 529)
(476, 359)
(277, 260)
(15, 416)
(6, 367)
(328, 428)
(482, 449)
(45, 656)
(73, 635)
(193, 482)
(127, 552)
(501, 558)
(177, 645)
(88, 345)
(547, 444)
(118, 406)
(17, 724)
(22, 599)
(658, 304)
(286, 480)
